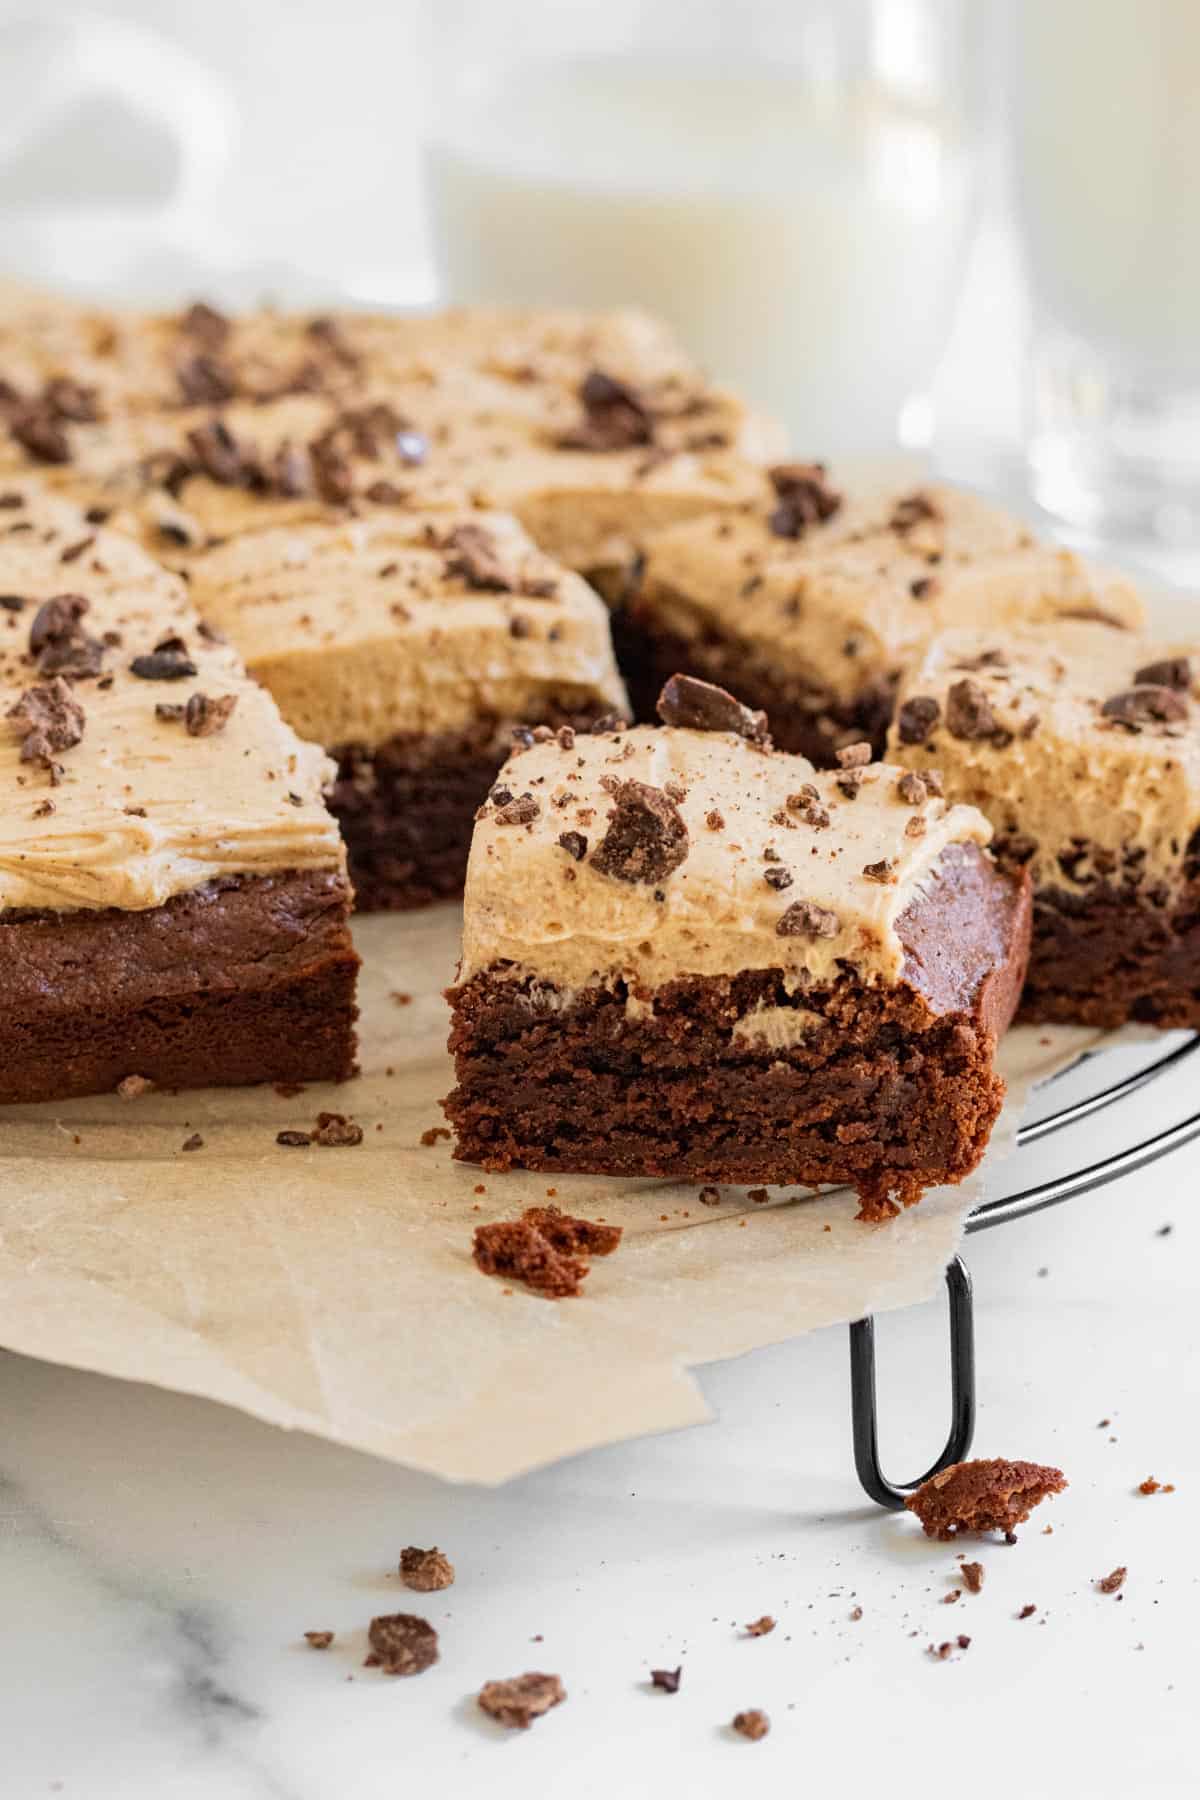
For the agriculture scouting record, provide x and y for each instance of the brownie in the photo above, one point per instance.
(689, 955)
(812, 604)
(1082, 746)
(173, 895)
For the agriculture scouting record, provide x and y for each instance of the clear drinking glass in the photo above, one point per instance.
(1106, 125)
(788, 181)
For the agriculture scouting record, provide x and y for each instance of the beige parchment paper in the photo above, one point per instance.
(333, 1289)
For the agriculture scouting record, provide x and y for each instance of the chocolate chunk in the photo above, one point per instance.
(519, 1702)
(989, 1495)
(667, 1679)
(853, 756)
(401, 1644)
(168, 661)
(79, 548)
(753, 1724)
(332, 472)
(476, 558)
(913, 509)
(646, 838)
(969, 712)
(915, 827)
(293, 1140)
(911, 789)
(56, 619)
(575, 844)
(290, 472)
(57, 641)
(1173, 672)
(615, 416)
(917, 718)
(47, 720)
(778, 878)
(66, 399)
(335, 1131)
(37, 430)
(427, 1571)
(804, 918)
(518, 812)
(12, 603)
(204, 380)
(204, 716)
(205, 324)
(700, 706)
(1146, 704)
(216, 454)
(882, 871)
(805, 498)
(1114, 1581)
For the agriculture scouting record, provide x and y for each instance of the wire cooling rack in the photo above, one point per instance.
(1003, 1211)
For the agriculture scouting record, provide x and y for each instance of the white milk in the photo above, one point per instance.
(807, 247)
(1107, 121)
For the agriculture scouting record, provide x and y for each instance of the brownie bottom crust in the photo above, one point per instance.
(246, 979)
(406, 808)
(1108, 958)
(890, 1090)
(807, 720)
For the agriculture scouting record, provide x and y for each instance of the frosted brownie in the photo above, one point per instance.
(173, 897)
(1082, 746)
(688, 955)
(410, 646)
(811, 603)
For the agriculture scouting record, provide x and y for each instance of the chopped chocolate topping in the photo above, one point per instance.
(804, 918)
(615, 417)
(205, 324)
(1173, 672)
(969, 712)
(805, 498)
(1146, 704)
(518, 812)
(882, 871)
(917, 718)
(517, 1703)
(401, 1644)
(170, 710)
(853, 756)
(204, 380)
(168, 661)
(12, 603)
(575, 844)
(67, 399)
(216, 454)
(913, 509)
(335, 1131)
(79, 548)
(646, 838)
(667, 1679)
(988, 1495)
(36, 428)
(332, 471)
(753, 1724)
(778, 878)
(329, 334)
(911, 789)
(205, 716)
(48, 720)
(427, 1571)
(848, 782)
(699, 706)
(972, 1574)
(58, 643)
(318, 1640)
(294, 1140)
(1113, 1582)
(760, 1627)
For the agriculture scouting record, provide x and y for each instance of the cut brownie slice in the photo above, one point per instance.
(410, 646)
(173, 898)
(688, 955)
(1082, 745)
(812, 602)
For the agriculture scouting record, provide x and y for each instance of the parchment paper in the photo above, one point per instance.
(333, 1289)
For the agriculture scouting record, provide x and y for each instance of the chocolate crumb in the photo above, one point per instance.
(917, 718)
(646, 839)
(169, 662)
(432, 1135)
(752, 1724)
(401, 1644)
(427, 1571)
(205, 715)
(1114, 1580)
(969, 714)
(134, 1086)
(335, 1131)
(521, 1700)
(318, 1640)
(1027, 1611)
(694, 705)
(804, 918)
(195, 1142)
(760, 1627)
(985, 1495)
(667, 1679)
(293, 1140)
(972, 1574)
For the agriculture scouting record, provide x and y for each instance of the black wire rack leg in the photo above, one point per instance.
(962, 1394)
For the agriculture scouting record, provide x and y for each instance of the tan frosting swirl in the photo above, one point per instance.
(531, 904)
(143, 810)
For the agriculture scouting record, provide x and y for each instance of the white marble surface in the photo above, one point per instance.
(161, 1558)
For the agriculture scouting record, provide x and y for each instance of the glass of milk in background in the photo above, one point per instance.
(1106, 133)
(789, 182)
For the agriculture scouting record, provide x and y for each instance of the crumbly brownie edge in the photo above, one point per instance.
(804, 718)
(894, 1093)
(1107, 958)
(406, 808)
(246, 979)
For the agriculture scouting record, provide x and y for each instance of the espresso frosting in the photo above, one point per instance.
(141, 809)
(849, 602)
(1070, 788)
(552, 913)
(409, 623)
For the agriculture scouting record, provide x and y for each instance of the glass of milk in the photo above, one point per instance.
(1106, 126)
(789, 182)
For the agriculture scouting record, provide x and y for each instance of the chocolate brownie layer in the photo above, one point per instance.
(746, 1078)
(245, 979)
(1102, 958)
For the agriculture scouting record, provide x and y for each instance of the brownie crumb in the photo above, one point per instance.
(917, 718)
(545, 1249)
(760, 1627)
(1114, 1581)
(1151, 1486)
(401, 1644)
(856, 1613)
(1027, 1611)
(715, 820)
(709, 1196)
(667, 1679)
(752, 1724)
(293, 1140)
(425, 1570)
(646, 839)
(335, 1131)
(972, 1574)
(952, 1598)
(986, 1495)
(574, 843)
(401, 999)
(134, 1086)
(586, 1236)
(804, 918)
(778, 878)
(318, 1640)
(519, 1701)
(695, 705)
(432, 1135)
(195, 1142)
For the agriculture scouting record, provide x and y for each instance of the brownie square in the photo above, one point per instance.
(688, 955)
(1082, 746)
